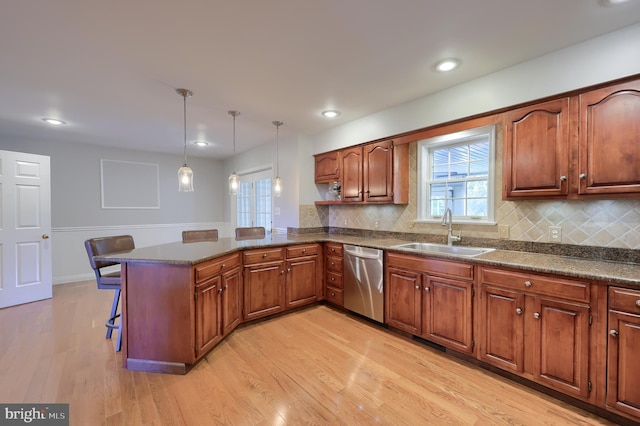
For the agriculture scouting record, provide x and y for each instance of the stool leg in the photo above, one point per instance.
(114, 310)
(119, 342)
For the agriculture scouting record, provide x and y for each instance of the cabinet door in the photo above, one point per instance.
(502, 328)
(404, 300)
(327, 167)
(561, 345)
(208, 331)
(608, 140)
(378, 172)
(352, 185)
(301, 282)
(231, 300)
(448, 316)
(263, 289)
(536, 151)
(623, 368)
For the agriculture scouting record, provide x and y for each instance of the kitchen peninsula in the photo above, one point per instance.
(180, 300)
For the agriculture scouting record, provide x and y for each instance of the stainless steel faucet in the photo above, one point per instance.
(446, 219)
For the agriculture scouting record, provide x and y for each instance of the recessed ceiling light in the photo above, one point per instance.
(448, 64)
(330, 113)
(612, 2)
(201, 143)
(53, 121)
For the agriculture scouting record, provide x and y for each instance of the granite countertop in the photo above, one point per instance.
(193, 253)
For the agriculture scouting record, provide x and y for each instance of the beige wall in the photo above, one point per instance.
(603, 223)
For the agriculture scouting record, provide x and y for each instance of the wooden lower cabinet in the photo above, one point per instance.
(263, 289)
(623, 368)
(425, 298)
(334, 270)
(303, 282)
(208, 326)
(522, 330)
(231, 299)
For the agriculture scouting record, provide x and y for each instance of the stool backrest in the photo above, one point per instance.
(200, 235)
(250, 233)
(106, 245)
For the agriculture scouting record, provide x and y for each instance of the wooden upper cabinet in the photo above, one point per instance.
(583, 146)
(352, 178)
(376, 172)
(609, 139)
(327, 167)
(536, 151)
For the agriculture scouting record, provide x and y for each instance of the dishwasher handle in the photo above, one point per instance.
(362, 255)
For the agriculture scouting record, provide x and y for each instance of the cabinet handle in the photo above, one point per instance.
(563, 178)
(638, 303)
(536, 315)
(614, 333)
(427, 289)
(519, 311)
(582, 176)
(527, 283)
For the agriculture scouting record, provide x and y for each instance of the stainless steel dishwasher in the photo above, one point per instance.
(363, 281)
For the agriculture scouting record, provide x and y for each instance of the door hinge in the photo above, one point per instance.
(590, 320)
(590, 385)
(195, 348)
(473, 343)
(195, 296)
(473, 292)
(480, 294)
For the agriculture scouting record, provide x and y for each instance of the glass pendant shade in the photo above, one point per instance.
(234, 183)
(185, 174)
(185, 179)
(277, 186)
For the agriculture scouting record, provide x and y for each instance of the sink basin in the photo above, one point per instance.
(441, 248)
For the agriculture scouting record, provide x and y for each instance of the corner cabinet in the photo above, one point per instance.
(431, 298)
(373, 173)
(303, 280)
(537, 326)
(583, 146)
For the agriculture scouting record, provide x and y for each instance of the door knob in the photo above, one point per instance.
(45, 236)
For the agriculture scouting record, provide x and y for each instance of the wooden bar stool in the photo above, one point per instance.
(200, 235)
(250, 233)
(110, 280)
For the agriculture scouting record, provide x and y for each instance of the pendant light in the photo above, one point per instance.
(277, 182)
(234, 179)
(185, 174)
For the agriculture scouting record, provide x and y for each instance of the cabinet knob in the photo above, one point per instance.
(563, 178)
(333, 263)
(288, 269)
(519, 311)
(582, 176)
(264, 254)
(427, 289)
(527, 283)
(304, 250)
(638, 303)
(536, 315)
(333, 294)
(333, 250)
(614, 333)
(45, 236)
(418, 287)
(222, 266)
(220, 290)
(333, 278)
(226, 286)
(281, 272)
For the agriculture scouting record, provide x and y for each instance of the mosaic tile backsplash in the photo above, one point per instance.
(600, 223)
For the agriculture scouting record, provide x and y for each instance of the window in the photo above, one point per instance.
(253, 203)
(457, 171)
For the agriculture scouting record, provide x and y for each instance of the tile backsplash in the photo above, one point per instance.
(601, 223)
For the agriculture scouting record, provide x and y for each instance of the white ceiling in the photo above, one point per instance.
(110, 68)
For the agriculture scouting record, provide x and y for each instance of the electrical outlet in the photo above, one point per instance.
(555, 233)
(503, 232)
(376, 224)
(276, 211)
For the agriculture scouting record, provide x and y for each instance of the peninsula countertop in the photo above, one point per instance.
(194, 253)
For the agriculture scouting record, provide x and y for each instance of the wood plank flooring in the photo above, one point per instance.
(315, 366)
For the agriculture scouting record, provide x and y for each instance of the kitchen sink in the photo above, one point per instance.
(442, 248)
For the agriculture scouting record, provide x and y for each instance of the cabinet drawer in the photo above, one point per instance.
(334, 249)
(333, 264)
(335, 295)
(263, 255)
(432, 266)
(624, 299)
(213, 267)
(305, 250)
(334, 279)
(537, 284)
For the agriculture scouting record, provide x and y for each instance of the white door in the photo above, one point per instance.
(254, 201)
(25, 226)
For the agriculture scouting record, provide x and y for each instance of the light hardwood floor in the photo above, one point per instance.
(315, 366)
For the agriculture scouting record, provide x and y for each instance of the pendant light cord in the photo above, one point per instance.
(184, 98)
(277, 152)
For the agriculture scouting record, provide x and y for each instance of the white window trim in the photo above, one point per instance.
(423, 165)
